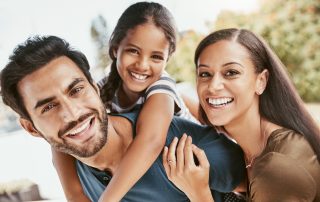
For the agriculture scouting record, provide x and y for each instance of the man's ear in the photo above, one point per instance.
(262, 81)
(28, 126)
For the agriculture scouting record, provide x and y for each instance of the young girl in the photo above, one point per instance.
(243, 87)
(140, 46)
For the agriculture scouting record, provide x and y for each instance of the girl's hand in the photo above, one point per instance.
(181, 169)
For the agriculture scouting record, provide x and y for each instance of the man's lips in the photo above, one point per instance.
(80, 128)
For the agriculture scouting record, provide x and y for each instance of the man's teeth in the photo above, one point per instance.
(220, 101)
(80, 129)
(138, 76)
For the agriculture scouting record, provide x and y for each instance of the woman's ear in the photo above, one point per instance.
(28, 126)
(262, 81)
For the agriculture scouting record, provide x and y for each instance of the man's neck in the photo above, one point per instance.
(119, 138)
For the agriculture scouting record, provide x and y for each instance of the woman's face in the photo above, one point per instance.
(227, 84)
(141, 57)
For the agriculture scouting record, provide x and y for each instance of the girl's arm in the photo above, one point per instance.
(66, 169)
(181, 169)
(152, 127)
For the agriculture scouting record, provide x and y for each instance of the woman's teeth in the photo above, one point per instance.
(220, 101)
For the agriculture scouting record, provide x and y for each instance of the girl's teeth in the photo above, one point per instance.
(138, 76)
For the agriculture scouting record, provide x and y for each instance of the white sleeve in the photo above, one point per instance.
(165, 85)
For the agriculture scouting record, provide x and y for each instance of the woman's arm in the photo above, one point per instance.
(152, 127)
(181, 169)
(66, 169)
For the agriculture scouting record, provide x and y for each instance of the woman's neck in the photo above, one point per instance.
(251, 132)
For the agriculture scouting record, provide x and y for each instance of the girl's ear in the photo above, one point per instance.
(114, 52)
(262, 81)
(28, 126)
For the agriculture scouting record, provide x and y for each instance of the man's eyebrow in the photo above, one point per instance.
(43, 102)
(49, 99)
(74, 83)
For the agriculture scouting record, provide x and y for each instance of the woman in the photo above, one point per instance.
(244, 89)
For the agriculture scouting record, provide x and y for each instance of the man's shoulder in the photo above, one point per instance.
(132, 116)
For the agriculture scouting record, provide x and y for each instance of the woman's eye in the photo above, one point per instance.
(203, 74)
(75, 90)
(48, 107)
(231, 73)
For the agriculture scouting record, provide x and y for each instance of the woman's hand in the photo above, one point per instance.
(182, 170)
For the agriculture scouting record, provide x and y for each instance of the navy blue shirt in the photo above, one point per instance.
(227, 167)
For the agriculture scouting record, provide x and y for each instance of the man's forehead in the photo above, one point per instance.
(55, 76)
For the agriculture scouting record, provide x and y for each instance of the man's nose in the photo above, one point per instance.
(70, 111)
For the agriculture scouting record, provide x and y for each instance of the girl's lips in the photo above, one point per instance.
(139, 76)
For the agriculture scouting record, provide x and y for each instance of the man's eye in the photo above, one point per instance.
(48, 107)
(75, 90)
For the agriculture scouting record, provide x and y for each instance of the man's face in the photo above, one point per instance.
(65, 108)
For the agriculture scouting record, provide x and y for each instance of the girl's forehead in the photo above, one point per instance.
(146, 34)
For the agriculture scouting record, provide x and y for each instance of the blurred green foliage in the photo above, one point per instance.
(181, 65)
(292, 29)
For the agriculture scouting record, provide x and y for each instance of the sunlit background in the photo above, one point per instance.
(291, 27)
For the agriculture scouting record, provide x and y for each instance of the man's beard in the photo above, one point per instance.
(90, 148)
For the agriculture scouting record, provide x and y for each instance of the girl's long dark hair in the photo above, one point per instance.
(136, 14)
(280, 103)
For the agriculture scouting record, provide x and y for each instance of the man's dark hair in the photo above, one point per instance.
(30, 56)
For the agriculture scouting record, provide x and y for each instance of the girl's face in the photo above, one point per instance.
(141, 57)
(227, 84)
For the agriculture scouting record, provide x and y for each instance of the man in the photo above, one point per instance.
(49, 85)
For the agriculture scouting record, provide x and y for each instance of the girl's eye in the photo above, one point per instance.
(48, 107)
(132, 50)
(157, 57)
(76, 90)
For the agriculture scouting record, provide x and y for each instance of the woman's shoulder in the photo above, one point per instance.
(290, 144)
(286, 165)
